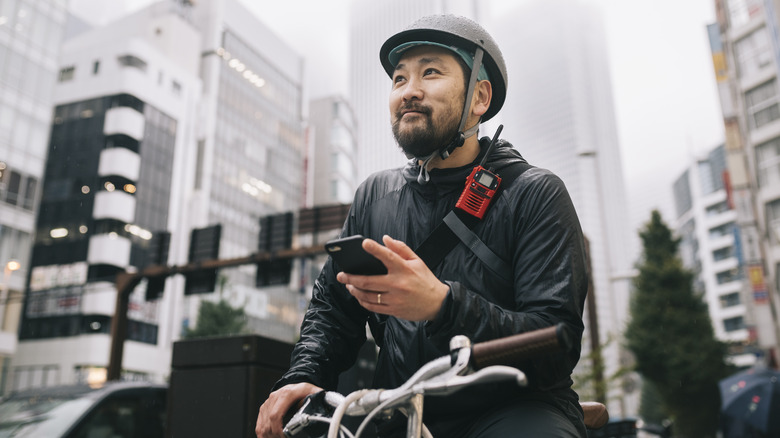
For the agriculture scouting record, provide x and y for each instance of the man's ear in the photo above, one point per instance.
(480, 102)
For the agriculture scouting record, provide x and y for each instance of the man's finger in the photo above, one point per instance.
(399, 247)
(384, 254)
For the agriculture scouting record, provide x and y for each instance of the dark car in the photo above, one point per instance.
(114, 410)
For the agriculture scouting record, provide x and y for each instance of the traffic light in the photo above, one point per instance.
(324, 218)
(155, 286)
(157, 254)
(204, 245)
(276, 233)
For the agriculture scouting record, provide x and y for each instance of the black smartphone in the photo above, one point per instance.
(350, 257)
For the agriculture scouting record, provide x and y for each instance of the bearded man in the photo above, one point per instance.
(448, 76)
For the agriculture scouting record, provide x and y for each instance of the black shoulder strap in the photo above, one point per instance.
(457, 227)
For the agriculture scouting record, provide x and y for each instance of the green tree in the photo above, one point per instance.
(671, 336)
(651, 408)
(218, 319)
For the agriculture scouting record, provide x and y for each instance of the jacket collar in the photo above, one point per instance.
(503, 154)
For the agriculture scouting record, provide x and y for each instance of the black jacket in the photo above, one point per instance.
(532, 226)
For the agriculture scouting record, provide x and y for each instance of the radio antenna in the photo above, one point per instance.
(492, 143)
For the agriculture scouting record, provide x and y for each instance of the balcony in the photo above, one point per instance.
(121, 162)
(109, 249)
(117, 205)
(124, 120)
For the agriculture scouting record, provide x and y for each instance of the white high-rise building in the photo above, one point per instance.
(332, 167)
(745, 55)
(125, 105)
(559, 114)
(251, 150)
(706, 225)
(179, 116)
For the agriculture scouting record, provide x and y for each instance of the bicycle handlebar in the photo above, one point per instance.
(442, 376)
(514, 349)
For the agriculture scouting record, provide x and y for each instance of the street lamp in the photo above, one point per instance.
(10, 267)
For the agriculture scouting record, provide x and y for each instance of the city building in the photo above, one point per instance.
(178, 117)
(706, 225)
(559, 114)
(371, 23)
(124, 106)
(251, 148)
(30, 33)
(332, 166)
(744, 44)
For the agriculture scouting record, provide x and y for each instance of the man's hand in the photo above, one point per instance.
(272, 412)
(409, 290)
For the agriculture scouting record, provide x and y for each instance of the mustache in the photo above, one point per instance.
(413, 106)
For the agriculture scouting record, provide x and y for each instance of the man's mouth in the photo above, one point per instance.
(413, 112)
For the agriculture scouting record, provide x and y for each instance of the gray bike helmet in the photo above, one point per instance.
(454, 32)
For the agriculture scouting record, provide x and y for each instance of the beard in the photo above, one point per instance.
(424, 137)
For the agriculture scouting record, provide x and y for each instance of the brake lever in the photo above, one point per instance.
(318, 405)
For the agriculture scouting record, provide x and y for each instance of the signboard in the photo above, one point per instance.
(52, 276)
(758, 285)
(54, 302)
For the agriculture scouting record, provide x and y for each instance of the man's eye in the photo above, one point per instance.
(398, 79)
(430, 71)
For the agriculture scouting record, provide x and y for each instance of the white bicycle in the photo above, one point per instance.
(466, 365)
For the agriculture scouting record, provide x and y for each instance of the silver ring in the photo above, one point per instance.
(379, 298)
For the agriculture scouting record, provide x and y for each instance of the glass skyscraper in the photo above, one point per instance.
(30, 34)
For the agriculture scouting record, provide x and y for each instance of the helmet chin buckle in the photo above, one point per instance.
(456, 142)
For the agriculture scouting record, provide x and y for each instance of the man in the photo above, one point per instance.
(448, 75)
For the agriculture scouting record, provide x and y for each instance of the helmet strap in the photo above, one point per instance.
(461, 136)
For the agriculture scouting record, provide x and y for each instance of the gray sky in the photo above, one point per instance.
(666, 101)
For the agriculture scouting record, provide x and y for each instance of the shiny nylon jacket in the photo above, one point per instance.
(531, 225)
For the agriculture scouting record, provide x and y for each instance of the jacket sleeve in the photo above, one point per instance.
(550, 279)
(332, 331)
(332, 314)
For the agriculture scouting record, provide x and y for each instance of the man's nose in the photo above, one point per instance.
(413, 90)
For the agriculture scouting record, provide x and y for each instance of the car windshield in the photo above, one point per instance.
(40, 416)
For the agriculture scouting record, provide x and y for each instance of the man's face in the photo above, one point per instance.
(426, 99)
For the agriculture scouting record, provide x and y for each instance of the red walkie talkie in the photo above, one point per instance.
(481, 185)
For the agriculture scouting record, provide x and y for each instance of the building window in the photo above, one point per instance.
(768, 163)
(14, 186)
(28, 198)
(762, 105)
(723, 253)
(67, 73)
(716, 209)
(95, 67)
(742, 11)
(18, 189)
(730, 300)
(727, 276)
(734, 324)
(14, 245)
(176, 88)
(720, 231)
(132, 61)
(683, 200)
(773, 218)
(754, 52)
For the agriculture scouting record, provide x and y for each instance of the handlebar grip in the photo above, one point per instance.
(511, 350)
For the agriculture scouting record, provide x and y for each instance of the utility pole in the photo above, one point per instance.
(597, 361)
(126, 282)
